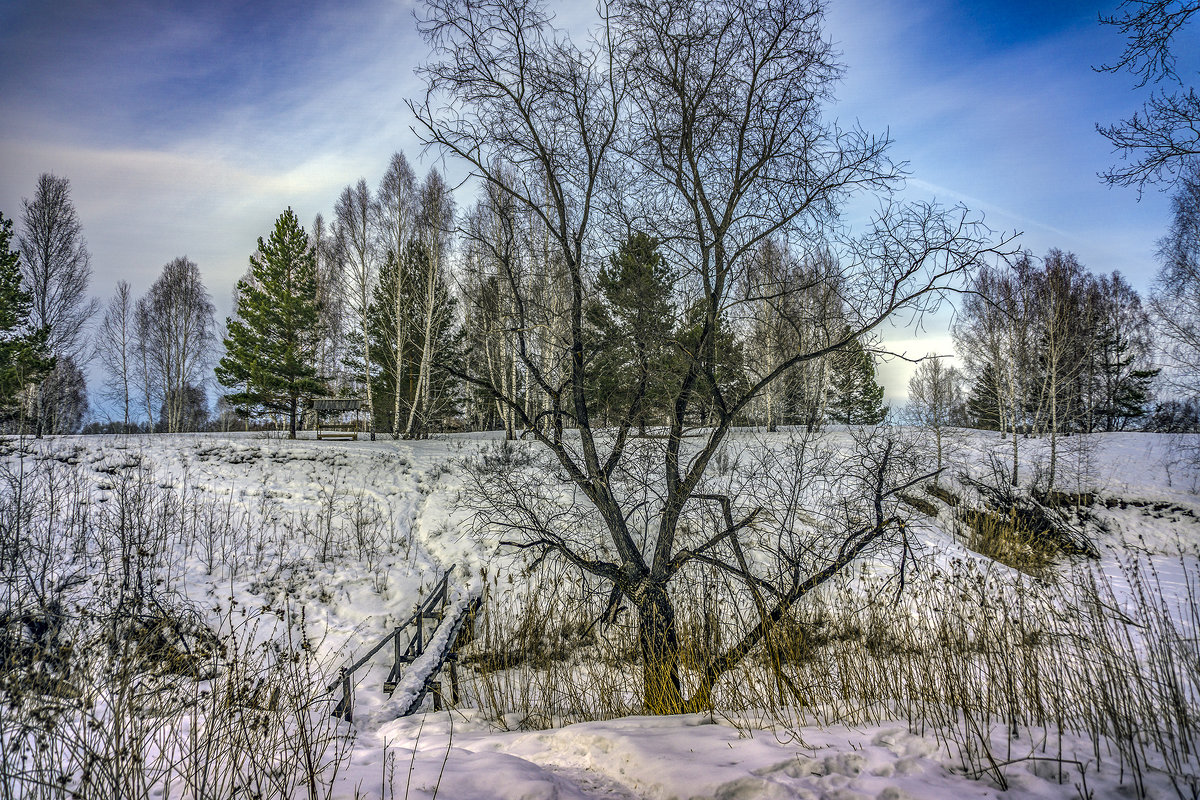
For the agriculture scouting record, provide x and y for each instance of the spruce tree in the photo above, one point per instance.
(983, 402)
(855, 398)
(271, 348)
(725, 363)
(24, 356)
(634, 326)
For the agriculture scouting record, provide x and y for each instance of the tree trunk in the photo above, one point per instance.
(658, 638)
(937, 432)
(367, 374)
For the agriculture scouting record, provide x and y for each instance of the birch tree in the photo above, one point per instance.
(55, 270)
(435, 217)
(56, 266)
(357, 215)
(935, 400)
(117, 350)
(178, 332)
(1065, 329)
(492, 264)
(330, 302)
(397, 221)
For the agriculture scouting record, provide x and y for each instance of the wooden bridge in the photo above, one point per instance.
(422, 647)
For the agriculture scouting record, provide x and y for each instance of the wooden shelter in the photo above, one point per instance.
(342, 425)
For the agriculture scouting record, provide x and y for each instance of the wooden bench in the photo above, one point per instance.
(338, 430)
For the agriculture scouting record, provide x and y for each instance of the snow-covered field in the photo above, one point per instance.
(335, 542)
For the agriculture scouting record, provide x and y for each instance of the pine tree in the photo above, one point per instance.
(271, 349)
(634, 327)
(1121, 373)
(855, 398)
(24, 356)
(726, 363)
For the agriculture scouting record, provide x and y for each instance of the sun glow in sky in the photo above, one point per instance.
(186, 128)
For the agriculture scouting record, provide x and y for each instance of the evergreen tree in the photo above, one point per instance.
(722, 373)
(271, 349)
(855, 398)
(24, 357)
(983, 402)
(1121, 370)
(633, 326)
(389, 318)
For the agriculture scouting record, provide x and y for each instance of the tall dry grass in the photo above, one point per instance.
(112, 684)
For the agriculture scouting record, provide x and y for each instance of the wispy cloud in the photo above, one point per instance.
(186, 127)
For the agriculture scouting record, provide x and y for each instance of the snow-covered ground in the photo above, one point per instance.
(348, 535)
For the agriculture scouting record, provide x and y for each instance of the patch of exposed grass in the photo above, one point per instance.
(1006, 539)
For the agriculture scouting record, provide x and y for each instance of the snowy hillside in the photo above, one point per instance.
(306, 553)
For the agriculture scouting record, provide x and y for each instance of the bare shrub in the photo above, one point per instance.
(113, 685)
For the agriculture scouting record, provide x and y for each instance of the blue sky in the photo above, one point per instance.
(186, 127)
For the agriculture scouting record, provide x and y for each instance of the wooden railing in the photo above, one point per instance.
(431, 610)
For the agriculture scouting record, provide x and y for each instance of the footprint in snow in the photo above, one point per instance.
(591, 784)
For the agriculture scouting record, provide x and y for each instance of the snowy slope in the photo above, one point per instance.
(382, 524)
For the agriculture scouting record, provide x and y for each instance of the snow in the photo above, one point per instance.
(382, 523)
(693, 757)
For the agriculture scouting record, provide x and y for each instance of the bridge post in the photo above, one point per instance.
(345, 708)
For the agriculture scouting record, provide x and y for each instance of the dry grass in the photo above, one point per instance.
(1000, 668)
(112, 685)
(134, 695)
(1005, 538)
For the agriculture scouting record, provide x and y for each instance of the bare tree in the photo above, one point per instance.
(1156, 145)
(329, 300)
(60, 400)
(397, 222)
(116, 347)
(994, 334)
(703, 120)
(56, 266)
(1065, 329)
(177, 332)
(492, 263)
(935, 399)
(796, 307)
(358, 243)
(1175, 300)
(435, 219)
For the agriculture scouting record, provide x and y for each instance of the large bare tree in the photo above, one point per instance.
(177, 331)
(116, 348)
(357, 214)
(56, 266)
(705, 123)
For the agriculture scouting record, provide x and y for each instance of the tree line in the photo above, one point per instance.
(395, 301)
(399, 300)
(399, 293)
